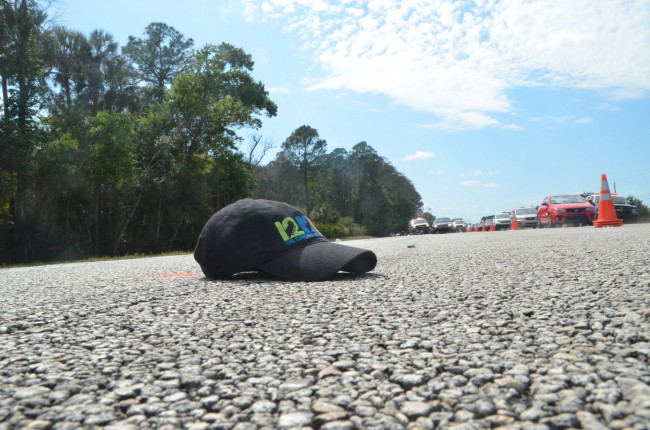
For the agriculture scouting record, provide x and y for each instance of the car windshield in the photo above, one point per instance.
(503, 216)
(439, 220)
(418, 222)
(618, 200)
(525, 211)
(559, 200)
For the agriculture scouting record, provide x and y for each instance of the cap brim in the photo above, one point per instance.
(320, 260)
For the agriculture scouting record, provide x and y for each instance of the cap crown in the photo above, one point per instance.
(248, 233)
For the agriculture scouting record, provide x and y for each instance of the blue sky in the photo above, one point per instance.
(484, 105)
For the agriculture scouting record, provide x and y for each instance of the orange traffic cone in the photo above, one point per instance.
(476, 229)
(514, 224)
(483, 229)
(492, 227)
(606, 211)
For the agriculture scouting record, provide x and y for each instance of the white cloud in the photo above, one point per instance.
(420, 155)
(458, 59)
(550, 119)
(474, 173)
(477, 183)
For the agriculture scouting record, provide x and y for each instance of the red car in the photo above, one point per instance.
(565, 209)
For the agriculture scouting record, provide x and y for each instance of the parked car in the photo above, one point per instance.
(526, 217)
(459, 225)
(443, 225)
(502, 221)
(629, 213)
(419, 226)
(565, 209)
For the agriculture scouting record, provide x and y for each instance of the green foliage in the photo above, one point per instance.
(351, 228)
(109, 159)
(325, 213)
(159, 57)
(644, 210)
(345, 227)
(7, 189)
(205, 101)
(130, 153)
(58, 163)
(303, 149)
(67, 53)
(279, 180)
(331, 231)
(359, 188)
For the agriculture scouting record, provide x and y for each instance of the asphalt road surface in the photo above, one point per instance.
(529, 329)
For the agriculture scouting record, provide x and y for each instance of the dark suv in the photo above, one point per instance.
(629, 213)
(443, 225)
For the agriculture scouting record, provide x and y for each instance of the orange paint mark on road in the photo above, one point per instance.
(179, 275)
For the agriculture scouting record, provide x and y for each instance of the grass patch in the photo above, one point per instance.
(357, 237)
(94, 259)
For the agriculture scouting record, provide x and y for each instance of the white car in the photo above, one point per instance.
(419, 226)
(502, 221)
(459, 225)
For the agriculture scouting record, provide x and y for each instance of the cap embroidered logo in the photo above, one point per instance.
(290, 231)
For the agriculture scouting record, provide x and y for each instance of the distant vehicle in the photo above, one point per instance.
(487, 221)
(565, 209)
(526, 217)
(629, 213)
(459, 225)
(502, 221)
(419, 226)
(443, 225)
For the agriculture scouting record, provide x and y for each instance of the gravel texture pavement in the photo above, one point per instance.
(529, 329)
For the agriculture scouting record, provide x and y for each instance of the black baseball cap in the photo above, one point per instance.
(276, 238)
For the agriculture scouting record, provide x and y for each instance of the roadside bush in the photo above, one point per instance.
(644, 211)
(331, 230)
(325, 213)
(351, 228)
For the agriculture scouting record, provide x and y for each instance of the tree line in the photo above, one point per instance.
(109, 150)
(340, 188)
